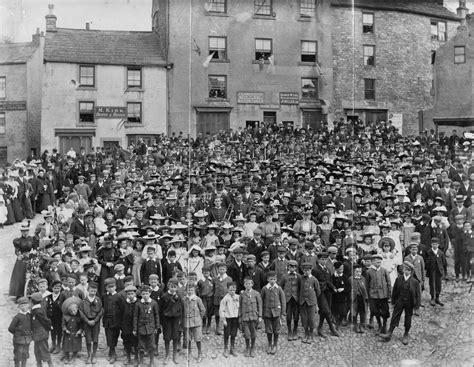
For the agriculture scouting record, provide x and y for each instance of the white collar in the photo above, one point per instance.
(38, 305)
(221, 278)
(143, 300)
(406, 277)
(91, 299)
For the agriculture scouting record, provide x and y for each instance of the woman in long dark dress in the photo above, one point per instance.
(23, 245)
(15, 200)
(7, 194)
(44, 192)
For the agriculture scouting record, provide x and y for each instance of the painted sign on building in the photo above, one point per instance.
(250, 97)
(289, 97)
(12, 105)
(104, 112)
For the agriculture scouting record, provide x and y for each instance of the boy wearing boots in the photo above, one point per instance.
(419, 266)
(436, 267)
(146, 322)
(290, 283)
(20, 327)
(308, 301)
(274, 310)
(130, 342)
(250, 315)
(40, 327)
(171, 312)
(379, 290)
(229, 312)
(359, 297)
(52, 304)
(193, 313)
(220, 290)
(113, 315)
(91, 312)
(405, 297)
(206, 293)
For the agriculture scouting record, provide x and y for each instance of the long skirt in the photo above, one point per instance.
(10, 214)
(17, 211)
(18, 279)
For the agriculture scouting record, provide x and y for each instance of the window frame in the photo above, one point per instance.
(79, 114)
(217, 50)
(263, 51)
(437, 37)
(93, 76)
(304, 91)
(135, 103)
(3, 87)
(218, 3)
(307, 53)
(259, 6)
(366, 90)
(307, 8)
(367, 57)
(463, 54)
(3, 122)
(135, 68)
(209, 87)
(372, 31)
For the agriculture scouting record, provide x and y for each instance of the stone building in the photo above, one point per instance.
(454, 83)
(101, 88)
(20, 98)
(383, 53)
(238, 63)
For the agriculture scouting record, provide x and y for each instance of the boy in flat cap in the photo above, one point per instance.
(405, 297)
(308, 301)
(130, 342)
(436, 269)
(380, 290)
(419, 268)
(20, 327)
(91, 312)
(113, 314)
(359, 298)
(274, 309)
(171, 312)
(290, 283)
(40, 327)
(250, 315)
(52, 305)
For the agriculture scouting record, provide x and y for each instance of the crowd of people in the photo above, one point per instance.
(267, 224)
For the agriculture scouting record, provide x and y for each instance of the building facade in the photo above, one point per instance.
(101, 88)
(454, 83)
(20, 98)
(238, 63)
(383, 53)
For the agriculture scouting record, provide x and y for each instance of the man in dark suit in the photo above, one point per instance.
(99, 188)
(436, 267)
(78, 227)
(405, 297)
(237, 269)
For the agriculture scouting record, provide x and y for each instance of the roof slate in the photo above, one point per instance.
(423, 7)
(16, 53)
(103, 47)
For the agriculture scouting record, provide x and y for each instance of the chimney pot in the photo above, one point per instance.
(87, 26)
(51, 20)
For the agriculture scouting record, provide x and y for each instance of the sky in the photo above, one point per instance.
(20, 18)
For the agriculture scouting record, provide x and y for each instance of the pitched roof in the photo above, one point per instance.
(103, 47)
(16, 53)
(430, 8)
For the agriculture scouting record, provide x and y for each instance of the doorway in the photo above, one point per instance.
(269, 118)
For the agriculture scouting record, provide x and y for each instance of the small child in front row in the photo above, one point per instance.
(171, 312)
(40, 327)
(91, 312)
(250, 315)
(229, 312)
(274, 309)
(206, 293)
(193, 314)
(72, 330)
(52, 304)
(156, 291)
(20, 327)
(359, 298)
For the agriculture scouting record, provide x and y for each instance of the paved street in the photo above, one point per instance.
(440, 337)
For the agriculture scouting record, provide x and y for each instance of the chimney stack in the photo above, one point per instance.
(36, 37)
(87, 27)
(462, 11)
(51, 19)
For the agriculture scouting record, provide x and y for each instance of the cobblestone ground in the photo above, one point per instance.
(439, 337)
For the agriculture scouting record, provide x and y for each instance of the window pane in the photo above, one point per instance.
(134, 112)
(307, 8)
(86, 112)
(369, 88)
(3, 87)
(134, 77)
(217, 46)
(86, 75)
(369, 52)
(2, 123)
(263, 7)
(218, 6)
(308, 46)
(368, 18)
(442, 26)
(217, 86)
(309, 88)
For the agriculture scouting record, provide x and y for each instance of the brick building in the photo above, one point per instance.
(454, 83)
(101, 88)
(383, 58)
(266, 63)
(20, 98)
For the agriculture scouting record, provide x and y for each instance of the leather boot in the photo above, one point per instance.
(247, 348)
(232, 349)
(438, 302)
(384, 327)
(226, 352)
(152, 357)
(361, 328)
(405, 338)
(175, 352)
(252, 348)
(333, 330)
(93, 359)
(88, 360)
(387, 336)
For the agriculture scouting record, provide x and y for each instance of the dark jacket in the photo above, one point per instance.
(309, 291)
(40, 324)
(435, 263)
(20, 327)
(146, 319)
(414, 288)
(113, 310)
(237, 273)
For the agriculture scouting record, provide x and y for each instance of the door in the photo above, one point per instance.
(269, 118)
(376, 116)
(109, 144)
(352, 118)
(251, 124)
(76, 142)
(3, 156)
(211, 122)
(313, 118)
